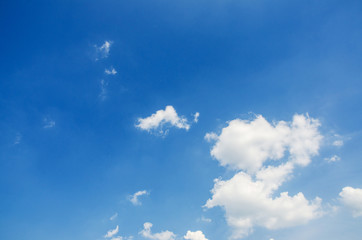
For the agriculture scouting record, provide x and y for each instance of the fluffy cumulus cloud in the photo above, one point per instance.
(164, 235)
(134, 198)
(162, 120)
(112, 232)
(198, 235)
(253, 148)
(352, 199)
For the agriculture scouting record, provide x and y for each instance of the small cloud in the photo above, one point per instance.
(198, 235)
(211, 137)
(112, 232)
(196, 117)
(117, 238)
(334, 158)
(164, 235)
(103, 94)
(203, 219)
(110, 71)
(134, 198)
(162, 118)
(48, 123)
(103, 51)
(338, 143)
(18, 138)
(114, 216)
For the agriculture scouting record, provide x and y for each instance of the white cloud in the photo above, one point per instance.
(246, 145)
(338, 143)
(248, 198)
(134, 198)
(103, 94)
(211, 137)
(196, 117)
(198, 235)
(112, 232)
(352, 198)
(103, 51)
(114, 216)
(161, 118)
(110, 71)
(164, 235)
(48, 123)
(334, 158)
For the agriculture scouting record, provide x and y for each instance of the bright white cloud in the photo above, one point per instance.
(163, 118)
(103, 51)
(114, 216)
(134, 198)
(48, 123)
(334, 158)
(110, 71)
(352, 198)
(164, 235)
(338, 143)
(249, 197)
(112, 232)
(246, 145)
(196, 117)
(198, 235)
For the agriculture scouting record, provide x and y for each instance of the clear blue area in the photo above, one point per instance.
(223, 59)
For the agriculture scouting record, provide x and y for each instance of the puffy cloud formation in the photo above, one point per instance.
(249, 197)
(112, 232)
(246, 145)
(161, 118)
(198, 235)
(352, 198)
(338, 143)
(134, 198)
(165, 235)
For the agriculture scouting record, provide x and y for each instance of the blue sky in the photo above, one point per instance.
(86, 150)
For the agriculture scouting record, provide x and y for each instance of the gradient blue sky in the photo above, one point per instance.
(70, 151)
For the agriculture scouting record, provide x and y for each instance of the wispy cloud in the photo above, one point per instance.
(334, 158)
(113, 217)
(110, 71)
(112, 232)
(103, 94)
(134, 198)
(103, 50)
(18, 138)
(48, 123)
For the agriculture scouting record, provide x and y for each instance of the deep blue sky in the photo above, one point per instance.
(224, 59)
